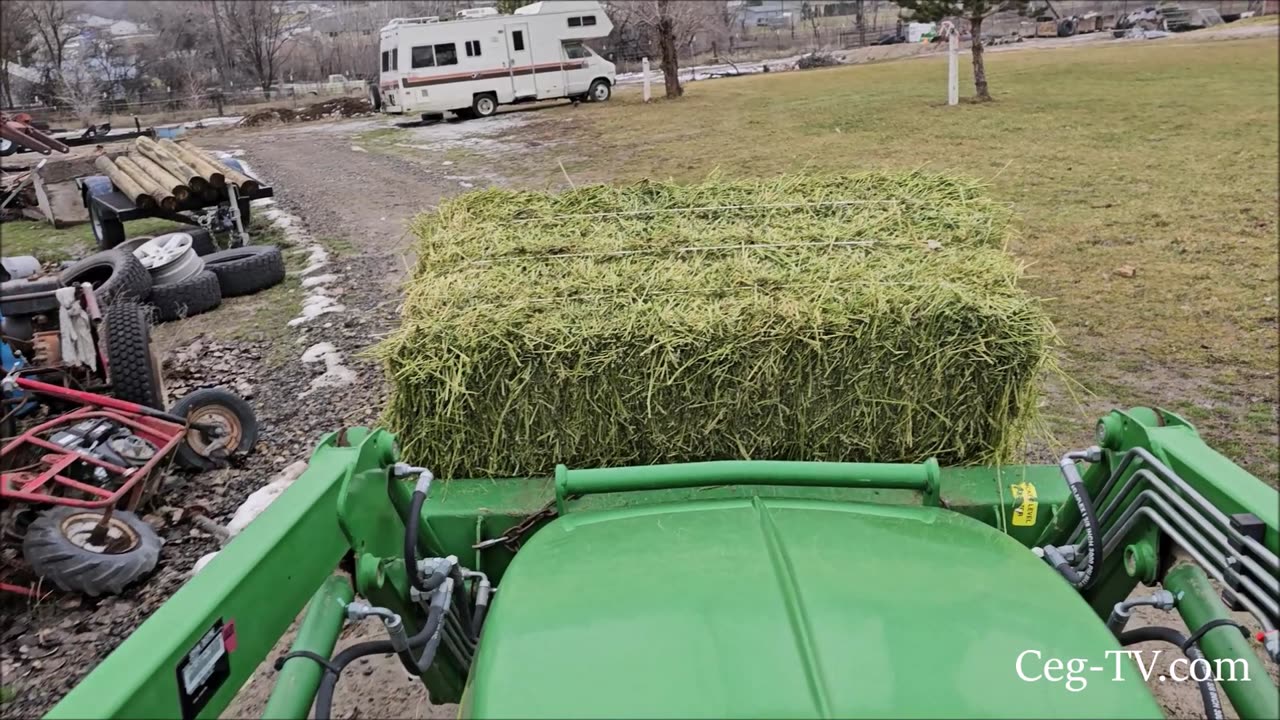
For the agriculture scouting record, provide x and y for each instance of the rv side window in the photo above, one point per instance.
(395, 60)
(447, 54)
(422, 56)
(473, 48)
(588, 19)
(575, 22)
(575, 51)
(386, 61)
(517, 40)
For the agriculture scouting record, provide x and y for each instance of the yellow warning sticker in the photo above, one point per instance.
(1024, 513)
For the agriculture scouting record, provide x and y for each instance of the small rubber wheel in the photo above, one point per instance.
(484, 105)
(223, 409)
(600, 91)
(246, 270)
(197, 294)
(114, 275)
(107, 232)
(60, 545)
(133, 363)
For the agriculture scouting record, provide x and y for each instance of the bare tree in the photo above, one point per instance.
(80, 88)
(258, 33)
(975, 11)
(673, 24)
(52, 22)
(15, 37)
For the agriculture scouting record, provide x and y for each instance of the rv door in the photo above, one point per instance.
(524, 81)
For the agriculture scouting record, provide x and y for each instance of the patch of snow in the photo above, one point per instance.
(313, 306)
(317, 352)
(318, 280)
(254, 505)
(357, 148)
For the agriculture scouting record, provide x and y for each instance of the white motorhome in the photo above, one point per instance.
(471, 65)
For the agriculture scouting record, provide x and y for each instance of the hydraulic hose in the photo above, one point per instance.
(324, 694)
(1208, 691)
(411, 530)
(1092, 530)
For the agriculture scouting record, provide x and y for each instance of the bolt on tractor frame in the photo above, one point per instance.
(739, 588)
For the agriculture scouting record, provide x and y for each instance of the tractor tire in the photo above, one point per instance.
(136, 373)
(114, 275)
(217, 406)
(246, 270)
(185, 299)
(57, 547)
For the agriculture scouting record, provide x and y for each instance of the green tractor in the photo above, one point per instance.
(737, 588)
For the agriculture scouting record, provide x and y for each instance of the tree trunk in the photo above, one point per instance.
(979, 70)
(670, 59)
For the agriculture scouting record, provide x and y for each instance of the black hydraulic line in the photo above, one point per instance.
(1092, 530)
(1208, 691)
(329, 681)
(460, 597)
(411, 541)
(1219, 622)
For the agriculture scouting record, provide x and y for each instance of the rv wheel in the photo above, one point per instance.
(600, 91)
(484, 105)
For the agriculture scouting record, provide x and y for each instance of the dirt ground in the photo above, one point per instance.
(350, 187)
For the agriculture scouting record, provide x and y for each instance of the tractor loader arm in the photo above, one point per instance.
(605, 567)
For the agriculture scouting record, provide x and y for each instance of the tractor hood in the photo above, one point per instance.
(787, 608)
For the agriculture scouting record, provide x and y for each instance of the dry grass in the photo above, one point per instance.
(1158, 155)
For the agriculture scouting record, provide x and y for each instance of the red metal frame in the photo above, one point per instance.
(42, 487)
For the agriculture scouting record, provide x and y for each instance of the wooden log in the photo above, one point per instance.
(244, 183)
(162, 176)
(211, 195)
(202, 166)
(124, 183)
(163, 197)
(176, 167)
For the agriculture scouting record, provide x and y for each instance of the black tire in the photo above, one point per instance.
(484, 105)
(1066, 27)
(197, 294)
(57, 549)
(375, 97)
(114, 275)
(134, 365)
(464, 114)
(600, 90)
(246, 270)
(107, 232)
(10, 288)
(220, 407)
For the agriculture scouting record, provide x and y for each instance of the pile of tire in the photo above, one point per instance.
(179, 274)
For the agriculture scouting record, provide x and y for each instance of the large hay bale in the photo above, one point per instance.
(873, 317)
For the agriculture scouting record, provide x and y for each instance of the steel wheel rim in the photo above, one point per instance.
(78, 529)
(602, 91)
(485, 106)
(221, 417)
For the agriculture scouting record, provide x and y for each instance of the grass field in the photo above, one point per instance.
(1155, 156)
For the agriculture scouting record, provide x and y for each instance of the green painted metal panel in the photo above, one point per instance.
(256, 585)
(755, 607)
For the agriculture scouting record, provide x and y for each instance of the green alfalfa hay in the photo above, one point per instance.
(867, 317)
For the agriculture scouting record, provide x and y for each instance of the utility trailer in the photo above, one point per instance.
(224, 209)
(471, 65)
(734, 588)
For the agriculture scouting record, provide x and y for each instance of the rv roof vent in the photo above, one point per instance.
(413, 21)
(478, 12)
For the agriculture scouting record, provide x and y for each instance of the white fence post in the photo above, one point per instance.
(953, 71)
(644, 70)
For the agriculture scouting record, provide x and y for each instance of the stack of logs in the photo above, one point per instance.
(168, 174)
